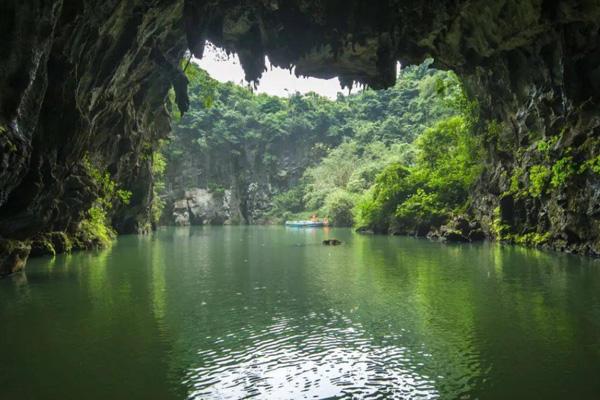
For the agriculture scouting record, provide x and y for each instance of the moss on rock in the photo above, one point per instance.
(13, 256)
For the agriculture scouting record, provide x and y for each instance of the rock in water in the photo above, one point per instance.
(13, 256)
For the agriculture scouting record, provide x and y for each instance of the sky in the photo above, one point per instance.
(275, 81)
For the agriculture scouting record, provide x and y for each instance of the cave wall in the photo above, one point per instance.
(89, 78)
(81, 79)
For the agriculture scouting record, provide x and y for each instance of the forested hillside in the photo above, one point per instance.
(241, 157)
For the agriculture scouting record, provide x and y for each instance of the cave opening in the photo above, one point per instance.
(82, 105)
(486, 142)
(290, 148)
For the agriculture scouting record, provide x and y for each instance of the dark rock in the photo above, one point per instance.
(51, 243)
(13, 256)
(433, 235)
(422, 230)
(365, 231)
(476, 235)
(459, 229)
(331, 242)
(453, 236)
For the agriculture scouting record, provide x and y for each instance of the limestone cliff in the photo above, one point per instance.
(90, 78)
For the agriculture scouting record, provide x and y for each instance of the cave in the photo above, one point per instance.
(86, 82)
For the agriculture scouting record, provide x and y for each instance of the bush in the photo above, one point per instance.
(392, 187)
(94, 230)
(290, 201)
(339, 207)
(420, 209)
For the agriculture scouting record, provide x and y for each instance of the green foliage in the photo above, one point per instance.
(95, 228)
(530, 239)
(306, 140)
(291, 201)
(500, 230)
(493, 131)
(449, 159)
(496, 136)
(397, 158)
(426, 194)
(515, 179)
(562, 170)
(392, 187)
(107, 189)
(538, 179)
(159, 166)
(591, 165)
(339, 207)
(421, 208)
(544, 146)
(124, 196)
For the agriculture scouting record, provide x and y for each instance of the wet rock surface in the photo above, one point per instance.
(90, 78)
(200, 207)
(13, 256)
(459, 230)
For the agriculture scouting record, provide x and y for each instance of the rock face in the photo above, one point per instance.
(90, 78)
(249, 181)
(459, 229)
(82, 80)
(200, 207)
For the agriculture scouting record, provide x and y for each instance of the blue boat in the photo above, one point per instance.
(305, 224)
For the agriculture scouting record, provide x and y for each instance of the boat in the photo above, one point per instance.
(305, 224)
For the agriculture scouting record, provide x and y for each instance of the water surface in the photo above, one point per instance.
(234, 312)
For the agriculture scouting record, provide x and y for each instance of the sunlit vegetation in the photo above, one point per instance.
(393, 159)
(95, 229)
(159, 166)
(411, 198)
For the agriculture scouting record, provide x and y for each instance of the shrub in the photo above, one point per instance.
(94, 230)
(291, 201)
(392, 187)
(420, 209)
(339, 207)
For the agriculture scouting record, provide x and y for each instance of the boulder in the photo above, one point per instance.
(459, 229)
(13, 256)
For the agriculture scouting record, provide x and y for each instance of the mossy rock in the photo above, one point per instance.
(13, 256)
(52, 243)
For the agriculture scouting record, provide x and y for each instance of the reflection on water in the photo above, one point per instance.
(317, 356)
(233, 312)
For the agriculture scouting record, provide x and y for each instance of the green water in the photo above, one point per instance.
(230, 312)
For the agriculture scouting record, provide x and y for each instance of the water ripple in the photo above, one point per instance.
(306, 359)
